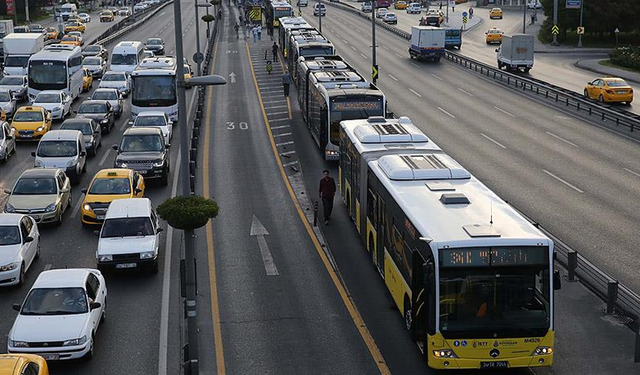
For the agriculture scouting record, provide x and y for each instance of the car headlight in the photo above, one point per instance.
(75, 342)
(444, 353)
(543, 350)
(40, 128)
(147, 255)
(9, 208)
(105, 258)
(56, 109)
(87, 207)
(9, 267)
(38, 163)
(158, 163)
(18, 344)
(50, 208)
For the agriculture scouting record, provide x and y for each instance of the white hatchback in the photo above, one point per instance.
(59, 318)
(54, 101)
(19, 247)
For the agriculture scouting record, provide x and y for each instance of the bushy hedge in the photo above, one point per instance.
(190, 212)
(629, 57)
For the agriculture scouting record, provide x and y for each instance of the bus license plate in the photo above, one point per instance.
(126, 265)
(492, 365)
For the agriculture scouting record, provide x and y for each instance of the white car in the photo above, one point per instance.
(54, 101)
(59, 318)
(414, 8)
(381, 12)
(7, 102)
(124, 12)
(155, 119)
(390, 18)
(116, 80)
(95, 64)
(19, 247)
(139, 7)
(17, 85)
(114, 98)
(84, 17)
(365, 7)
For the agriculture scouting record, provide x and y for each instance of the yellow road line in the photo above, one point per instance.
(349, 304)
(213, 283)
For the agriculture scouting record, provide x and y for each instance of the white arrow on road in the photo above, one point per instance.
(258, 230)
(232, 77)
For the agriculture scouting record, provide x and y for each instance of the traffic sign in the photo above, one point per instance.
(198, 57)
(464, 19)
(555, 30)
(375, 72)
(573, 4)
(580, 30)
(464, 14)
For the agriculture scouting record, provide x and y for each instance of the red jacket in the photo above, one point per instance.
(327, 187)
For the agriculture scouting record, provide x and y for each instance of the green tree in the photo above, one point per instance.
(190, 212)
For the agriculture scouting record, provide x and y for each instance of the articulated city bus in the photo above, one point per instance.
(288, 24)
(307, 45)
(154, 86)
(278, 9)
(471, 277)
(319, 63)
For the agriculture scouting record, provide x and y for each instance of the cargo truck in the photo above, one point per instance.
(6, 28)
(17, 50)
(427, 42)
(516, 52)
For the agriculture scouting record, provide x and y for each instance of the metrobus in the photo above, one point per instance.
(277, 10)
(308, 46)
(154, 86)
(471, 277)
(288, 24)
(293, 34)
(333, 96)
(306, 65)
(56, 67)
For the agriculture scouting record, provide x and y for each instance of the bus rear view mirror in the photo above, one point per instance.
(557, 281)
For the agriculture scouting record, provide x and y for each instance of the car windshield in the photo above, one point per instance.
(35, 186)
(92, 108)
(57, 149)
(120, 59)
(149, 121)
(91, 61)
(55, 301)
(141, 143)
(16, 61)
(28, 116)
(9, 235)
(47, 98)
(69, 39)
(617, 83)
(114, 77)
(84, 127)
(92, 49)
(154, 42)
(105, 95)
(127, 227)
(110, 186)
(5, 96)
(11, 81)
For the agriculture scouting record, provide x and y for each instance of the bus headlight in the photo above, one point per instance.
(444, 353)
(543, 350)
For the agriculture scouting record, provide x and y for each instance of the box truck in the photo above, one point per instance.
(17, 50)
(427, 42)
(516, 52)
(6, 28)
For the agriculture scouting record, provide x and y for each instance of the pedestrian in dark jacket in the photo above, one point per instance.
(327, 192)
(286, 82)
(274, 50)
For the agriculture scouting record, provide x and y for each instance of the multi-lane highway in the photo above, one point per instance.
(128, 342)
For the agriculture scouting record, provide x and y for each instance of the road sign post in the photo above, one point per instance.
(581, 27)
(617, 31)
(555, 23)
(464, 20)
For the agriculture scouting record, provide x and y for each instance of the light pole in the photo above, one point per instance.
(206, 6)
(373, 41)
(320, 16)
(199, 62)
(524, 17)
(26, 11)
(190, 269)
(580, 35)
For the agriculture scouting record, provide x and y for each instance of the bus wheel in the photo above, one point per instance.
(408, 319)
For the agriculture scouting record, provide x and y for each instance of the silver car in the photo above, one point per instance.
(7, 142)
(116, 80)
(17, 85)
(114, 98)
(7, 102)
(95, 64)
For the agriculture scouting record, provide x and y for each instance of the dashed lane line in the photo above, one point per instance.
(445, 112)
(563, 181)
(562, 139)
(493, 140)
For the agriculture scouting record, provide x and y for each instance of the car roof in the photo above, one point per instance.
(31, 108)
(142, 130)
(70, 277)
(113, 172)
(39, 172)
(129, 207)
(94, 101)
(10, 219)
(61, 135)
(613, 79)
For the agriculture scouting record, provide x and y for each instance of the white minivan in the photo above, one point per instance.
(62, 149)
(67, 10)
(126, 56)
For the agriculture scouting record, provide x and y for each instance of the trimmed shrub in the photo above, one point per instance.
(188, 212)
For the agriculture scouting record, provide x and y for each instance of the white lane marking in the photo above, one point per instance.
(332, 30)
(279, 119)
(563, 181)
(104, 158)
(436, 77)
(503, 111)
(385, 47)
(290, 164)
(162, 13)
(415, 65)
(353, 48)
(275, 106)
(562, 139)
(447, 113)
(562, 117)
(277, 113)
(493, 140)
(416, 94)
(281, 135)
(287, 153)
(632, 172)
(393, 78)
(464, 91)
(284, 143)
(124, 125)
(280, 127)
(399, 55)
(363, 55)
(259, 231)
(77, 207)
(345, 41)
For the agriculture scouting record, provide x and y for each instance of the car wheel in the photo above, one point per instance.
(601, 98)
(21, 277)
(586, 93)
(60, 218)
(91, 351)
(5, 160)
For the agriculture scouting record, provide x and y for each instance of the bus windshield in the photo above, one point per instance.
(47, 75)
(154, 91)
(351, 108)
(486, 302)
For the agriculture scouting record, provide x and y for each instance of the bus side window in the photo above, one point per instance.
(372, 208)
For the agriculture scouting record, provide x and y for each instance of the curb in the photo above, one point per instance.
(583, 67)
(574, 51)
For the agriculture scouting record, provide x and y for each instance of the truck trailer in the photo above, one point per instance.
(427, 42)
(516, 52)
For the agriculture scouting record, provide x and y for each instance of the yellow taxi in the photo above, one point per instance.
(188, 73)
(609, 89)
(87, 79)
(71, 40)
(21, 364)
(494, 35)
(495, 13)
(52, 33)
(31, 122)
(108, 185)
(74, 26)
(106, 16)
(3, 115)
(400, 5)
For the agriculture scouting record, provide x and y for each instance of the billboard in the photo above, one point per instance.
(10, 8)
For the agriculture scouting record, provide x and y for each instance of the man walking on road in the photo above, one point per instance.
(286, 82)
(327, 192)
(274, 50)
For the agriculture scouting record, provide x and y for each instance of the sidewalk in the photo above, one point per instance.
(455, 18)
(594, 66)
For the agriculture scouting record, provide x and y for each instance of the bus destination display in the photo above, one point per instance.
(493, 257)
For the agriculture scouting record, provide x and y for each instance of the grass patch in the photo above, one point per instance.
(612, 65)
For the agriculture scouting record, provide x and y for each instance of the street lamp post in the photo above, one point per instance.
(320, 16)
(198, 62)
(555, 22)
(524, 17)
(206, 6)
(580, 35)
(373, 40)
(26, 10)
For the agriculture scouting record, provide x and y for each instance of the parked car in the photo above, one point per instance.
(155, 119)
(116, 80)
(7, 103)
(534, 4)
(7, 142)
(91, 132)
(78, 297)
(114, 98)
(19, 247)
(56, 102)
(100, 111)
(95, 64)
(16, 85)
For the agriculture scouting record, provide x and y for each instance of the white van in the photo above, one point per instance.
(63, 149)
(126, 56)
(68, 9)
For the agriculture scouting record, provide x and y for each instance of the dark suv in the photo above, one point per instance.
(99, 111)
(144, 151)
